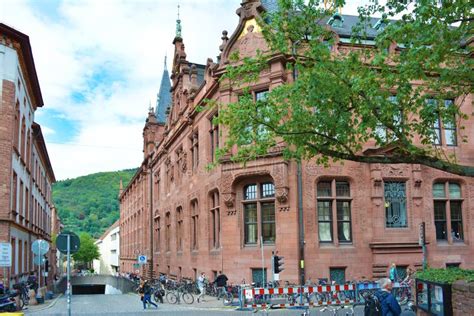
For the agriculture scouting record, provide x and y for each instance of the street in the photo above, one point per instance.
(130, 304)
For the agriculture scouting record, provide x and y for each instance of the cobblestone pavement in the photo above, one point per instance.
(130, 304)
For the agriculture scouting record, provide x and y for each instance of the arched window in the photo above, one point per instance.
(259, 207)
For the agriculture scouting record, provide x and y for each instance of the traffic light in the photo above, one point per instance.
(278, 264)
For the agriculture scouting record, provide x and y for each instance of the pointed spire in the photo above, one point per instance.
(178, 26)
(163, 99)
(166, 56)
(120, 187)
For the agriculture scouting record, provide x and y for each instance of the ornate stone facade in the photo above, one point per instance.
(215, 220)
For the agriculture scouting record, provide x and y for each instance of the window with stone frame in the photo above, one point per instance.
(215, 219)
(16, 126)
(14, 193)
(179, 228)
(28, 149)
(381, 130)
(168, 231)
(447, 199)
(334, 202)
(259, 212)
(21, 209)
(214, 136)
(194, 225)
(194, 150)
(444, 130)
(395, 204)
(23, 138)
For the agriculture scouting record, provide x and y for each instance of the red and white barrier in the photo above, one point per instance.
(333, 289)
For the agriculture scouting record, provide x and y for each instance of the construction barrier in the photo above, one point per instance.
(309, 296)
(262, 297)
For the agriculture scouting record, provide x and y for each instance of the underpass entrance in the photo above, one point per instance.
(88, 289)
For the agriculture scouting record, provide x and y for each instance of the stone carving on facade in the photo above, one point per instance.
(282, 194)
(394, 171)
(229, 199)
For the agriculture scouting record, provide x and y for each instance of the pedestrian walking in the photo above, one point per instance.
(393, 274)
(388, 302)
(201, 281)
(145, 293)
(221, 284)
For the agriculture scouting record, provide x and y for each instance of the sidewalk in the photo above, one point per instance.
(209, 302)
(39, 307)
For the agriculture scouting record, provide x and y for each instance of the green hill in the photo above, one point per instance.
(90, 203)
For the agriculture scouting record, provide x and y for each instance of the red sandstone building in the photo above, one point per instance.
(26, 175)
(344, 222)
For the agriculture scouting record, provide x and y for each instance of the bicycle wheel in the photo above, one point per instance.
(171, 298)
(227, 299)
(188, 298)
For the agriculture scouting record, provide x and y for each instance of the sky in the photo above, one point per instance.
(100, 63)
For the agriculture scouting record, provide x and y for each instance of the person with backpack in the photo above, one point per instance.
(385, 303)
(221, 284)
(145, 293)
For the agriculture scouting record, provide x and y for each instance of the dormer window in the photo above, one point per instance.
(336, 20)
(380, 25)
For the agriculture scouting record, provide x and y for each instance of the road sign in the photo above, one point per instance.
(39, 260)
(61, 242)
(142, 259)
(136, 266)
(40, 247)
(5, 254)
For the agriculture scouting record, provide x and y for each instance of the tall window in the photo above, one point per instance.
(214, 137)
(448, 126)
(168, 230)
(16, 132)
(194, 225)
(259, 204)
(195, 150)
(14, 191)
(334, 201)
(21, 210)
(158, 234)
(448, 211)
(23, 139)
(395, 204)
(28, 149)
(381, 129)
(179, 228)
(215, 218)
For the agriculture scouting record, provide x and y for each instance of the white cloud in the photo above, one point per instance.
(126, 40)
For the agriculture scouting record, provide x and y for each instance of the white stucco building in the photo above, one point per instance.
(109, 248)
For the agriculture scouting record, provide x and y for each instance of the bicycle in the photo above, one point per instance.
(335, 310)
(175, 296)
(226, 294)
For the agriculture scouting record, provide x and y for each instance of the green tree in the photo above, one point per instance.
(340, 101)
(93, 197)
(88, 251)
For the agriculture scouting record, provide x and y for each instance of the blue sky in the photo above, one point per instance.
(100, 63)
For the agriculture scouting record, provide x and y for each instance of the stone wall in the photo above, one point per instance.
(463, 298)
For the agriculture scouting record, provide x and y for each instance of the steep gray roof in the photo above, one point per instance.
(349, 21)
(163, 100)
